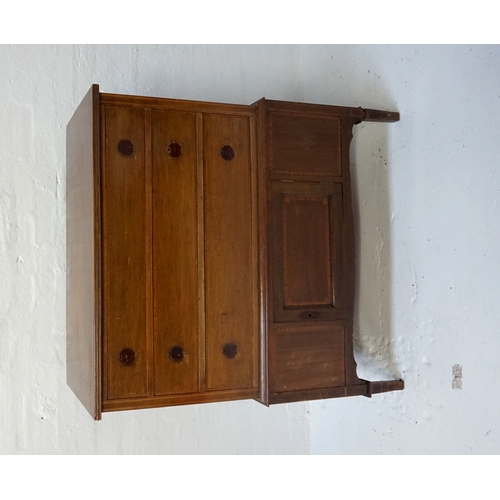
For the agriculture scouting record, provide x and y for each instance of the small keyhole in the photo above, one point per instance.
(310, 315)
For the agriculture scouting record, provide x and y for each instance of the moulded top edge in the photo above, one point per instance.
(178, 104)
(358, 114)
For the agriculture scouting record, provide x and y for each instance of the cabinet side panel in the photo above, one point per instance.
(82, 300)
(230, 323)
(124, 263)
(175, 252)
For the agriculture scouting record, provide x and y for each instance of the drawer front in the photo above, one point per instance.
(175, 252)
(229, 271)
(124, 254)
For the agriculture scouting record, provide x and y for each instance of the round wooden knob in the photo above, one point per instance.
(174, 150)
(176, 353)
(127, 357)
(227, 152)
(125, 147)
(230, 350)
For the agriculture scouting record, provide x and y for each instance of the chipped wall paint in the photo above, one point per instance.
(456, 372)
(426, 192)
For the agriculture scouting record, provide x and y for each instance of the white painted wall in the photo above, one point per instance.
(427, 189)
(40, 87)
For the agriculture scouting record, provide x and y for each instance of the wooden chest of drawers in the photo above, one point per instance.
(210, 252)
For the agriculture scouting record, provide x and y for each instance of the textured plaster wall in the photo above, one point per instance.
(428, 189)
(40, 87)
(427, 215)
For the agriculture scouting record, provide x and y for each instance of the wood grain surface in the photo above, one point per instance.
(83, 278)
(229, 271)
(204, 240)
(124, 252)
(175, 252)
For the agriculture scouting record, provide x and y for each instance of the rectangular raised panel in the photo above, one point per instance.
(307, 251)
(124, 255)
(229, 276)
(307, 357)
(302, 144)
(175, 251)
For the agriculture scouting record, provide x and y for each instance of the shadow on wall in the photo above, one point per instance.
(353, 75)
(373, 333)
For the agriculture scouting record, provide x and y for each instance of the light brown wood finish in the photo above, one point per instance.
(255, 250)
(83, 315)
(376, 115)
(263, 202)
(229, 274)
(175, 252)
(201, 254)
(307, 250)
(304, 145)
(148, 244)
(306, 239)
(180, 399)
(124, 266)
(177, 104)
(310, 239)
(307, 357)
(357, 114)
(190, 259)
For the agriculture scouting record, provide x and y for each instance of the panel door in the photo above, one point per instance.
(306, 271)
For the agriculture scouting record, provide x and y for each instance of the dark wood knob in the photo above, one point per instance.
(227, 152)
(176, 353)
(127, 357)
(174, 150)
(230, 350)
(125, 147)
